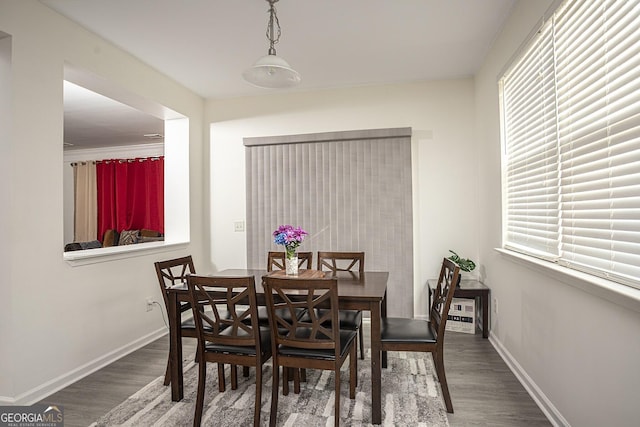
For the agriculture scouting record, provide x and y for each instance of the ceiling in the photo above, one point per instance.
(206, 44)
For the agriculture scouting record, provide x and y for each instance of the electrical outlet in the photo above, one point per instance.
(149, 304)
(495, 305)
(238, 226)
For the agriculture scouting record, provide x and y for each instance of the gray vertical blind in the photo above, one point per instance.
(351, 191)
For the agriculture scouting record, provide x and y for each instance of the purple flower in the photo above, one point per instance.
(290, 237)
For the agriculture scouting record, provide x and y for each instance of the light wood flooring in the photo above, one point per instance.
(483, 389)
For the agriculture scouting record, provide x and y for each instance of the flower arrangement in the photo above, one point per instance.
(290, 237)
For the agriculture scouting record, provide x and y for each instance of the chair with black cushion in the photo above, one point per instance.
(226, 317)
(275, 260)
(170, 273)
(417, 335)
(313, 342)
(350, 262)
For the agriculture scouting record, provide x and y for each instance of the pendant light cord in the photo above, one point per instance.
(274, 23)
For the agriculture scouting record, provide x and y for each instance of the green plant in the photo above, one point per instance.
(464, 263)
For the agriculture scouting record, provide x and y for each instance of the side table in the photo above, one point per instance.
(471, 289)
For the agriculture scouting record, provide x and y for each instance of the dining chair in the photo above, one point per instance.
(309, 342)
(275, 260)
(350, 262)
(226, 318)
(170, 273)
(417, 335)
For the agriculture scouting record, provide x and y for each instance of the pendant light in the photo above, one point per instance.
(272, 71)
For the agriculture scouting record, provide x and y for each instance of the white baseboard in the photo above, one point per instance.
(547, 407)
(40, 392)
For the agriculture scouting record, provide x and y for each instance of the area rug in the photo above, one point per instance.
(411, 396)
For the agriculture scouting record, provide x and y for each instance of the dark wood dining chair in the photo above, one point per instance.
(275, 260)
(417, 335)
(350, 262)
(173, 272)
(309, 342)
(228, 331)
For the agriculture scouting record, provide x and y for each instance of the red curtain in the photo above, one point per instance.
(130, 194)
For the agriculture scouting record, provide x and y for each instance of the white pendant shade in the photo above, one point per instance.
(271, 72)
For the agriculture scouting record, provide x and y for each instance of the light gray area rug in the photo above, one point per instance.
(411, 396)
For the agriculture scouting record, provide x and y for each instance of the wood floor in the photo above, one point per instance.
(483, 389)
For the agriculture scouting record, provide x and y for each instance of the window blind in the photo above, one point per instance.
(351, 191)
(593, 137)
(532, 174)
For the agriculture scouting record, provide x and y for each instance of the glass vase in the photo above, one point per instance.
(291, 263)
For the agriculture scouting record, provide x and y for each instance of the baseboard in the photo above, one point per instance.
(42, 391)
(545, 405)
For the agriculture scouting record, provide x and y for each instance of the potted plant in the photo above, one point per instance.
(464, 263)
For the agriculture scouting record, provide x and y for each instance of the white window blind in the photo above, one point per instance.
(571, 129)
(532, 169)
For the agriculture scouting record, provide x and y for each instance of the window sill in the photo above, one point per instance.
(616, 293)
(93, 256)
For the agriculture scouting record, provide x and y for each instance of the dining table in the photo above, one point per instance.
(356, 291)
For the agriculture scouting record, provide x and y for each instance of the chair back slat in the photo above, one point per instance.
(443, 295)
(225, 310)
(275, 260)
(341, 261)
(173, 272)
(285, 295)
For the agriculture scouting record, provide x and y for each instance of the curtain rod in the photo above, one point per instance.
(140, 159)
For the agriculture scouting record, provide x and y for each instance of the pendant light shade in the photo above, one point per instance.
(272, 71)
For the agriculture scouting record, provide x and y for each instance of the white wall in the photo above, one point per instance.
(66, 320)
(441, 115)
(578, 352)
(6, 382)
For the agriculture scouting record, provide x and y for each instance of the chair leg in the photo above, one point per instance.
(202, 377)
(234, 377)
(353, 371)
(303, 375)
(336, 374)
(245, 371)
(273, 415)
(285, 381)
(296, 381)
(167, 374)
(257, 404)
(361, 340)
(221, 380)
(438, 359)
(196, 358)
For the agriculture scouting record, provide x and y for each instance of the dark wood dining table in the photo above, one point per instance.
(366, 292)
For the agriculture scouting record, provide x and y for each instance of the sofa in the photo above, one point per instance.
(114, 238)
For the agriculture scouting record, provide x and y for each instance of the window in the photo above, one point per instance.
(176, 166)
(570, 106)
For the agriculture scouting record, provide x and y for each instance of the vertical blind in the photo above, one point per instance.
(351, 191)
(571, 130)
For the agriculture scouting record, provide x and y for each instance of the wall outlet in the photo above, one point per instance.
(238, 226)
(149, 304)
(495, 306)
